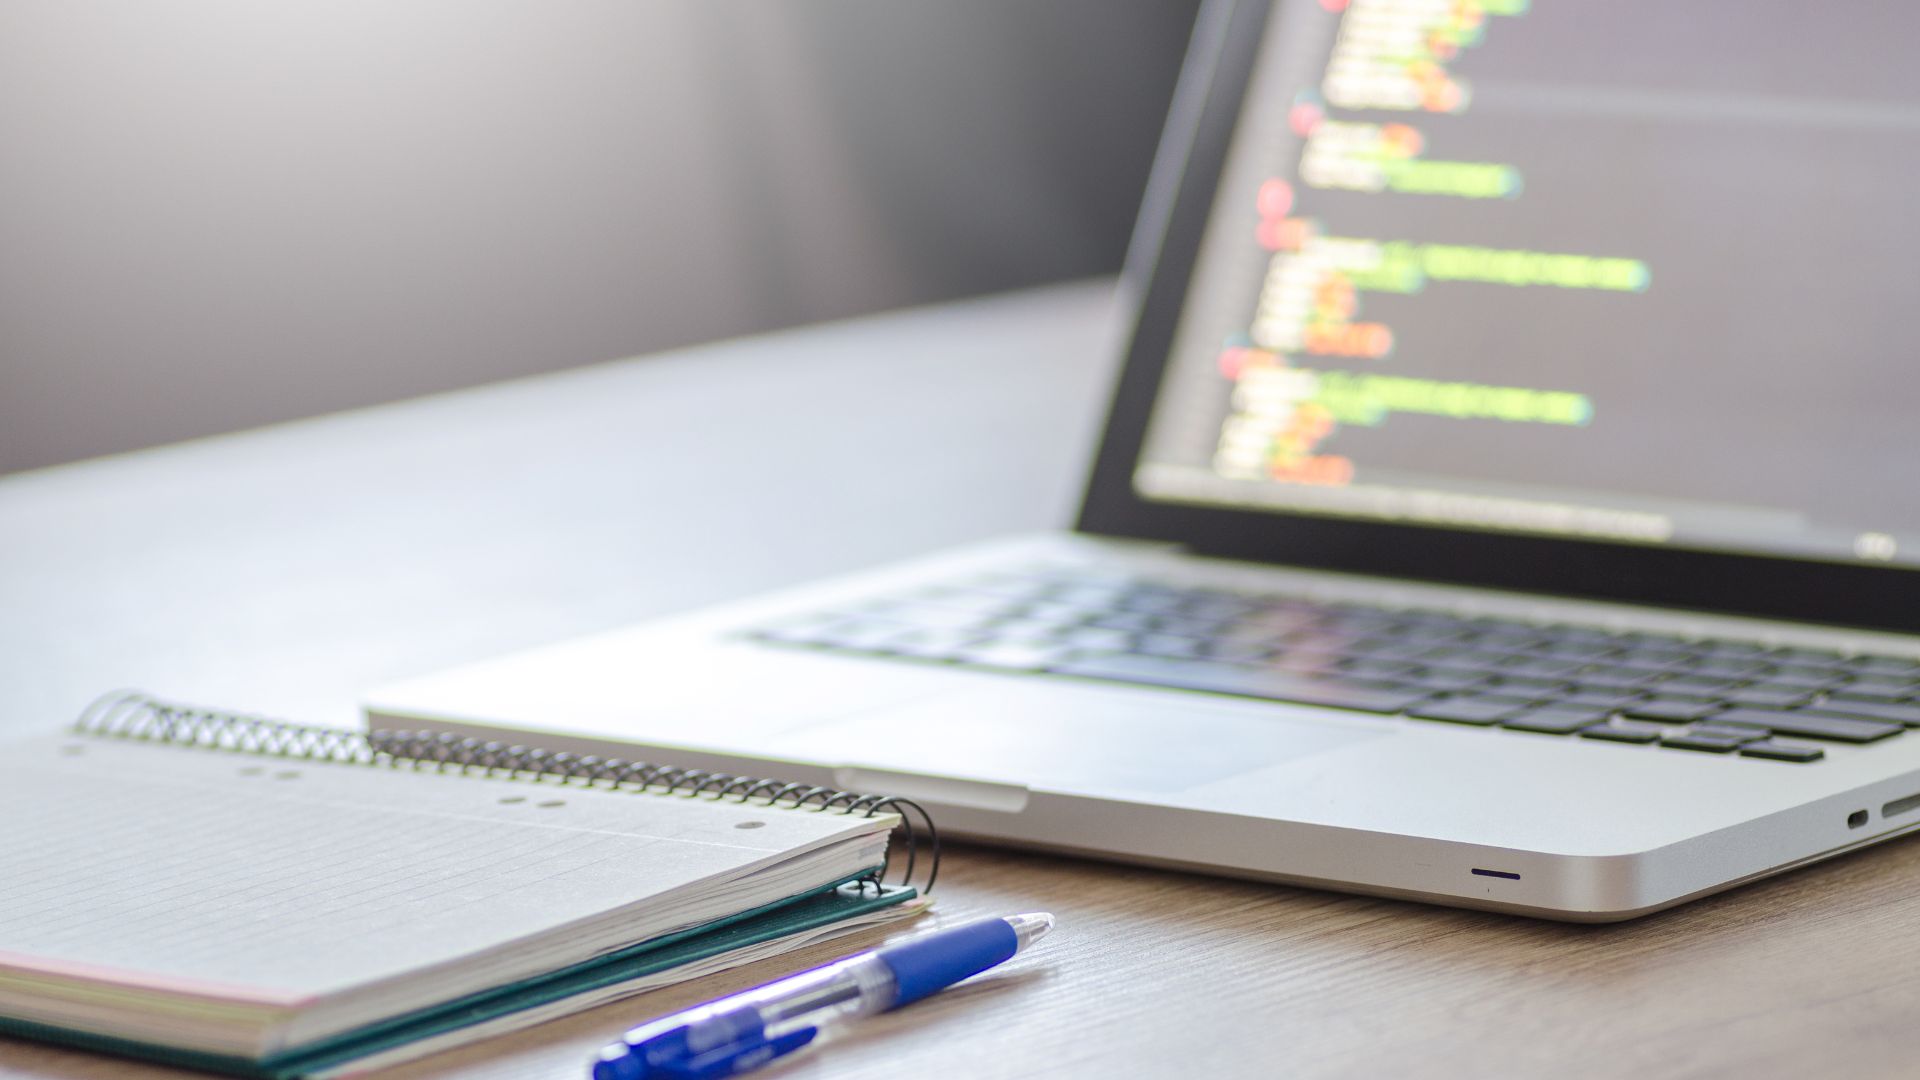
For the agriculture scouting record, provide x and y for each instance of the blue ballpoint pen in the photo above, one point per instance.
(745, 1031)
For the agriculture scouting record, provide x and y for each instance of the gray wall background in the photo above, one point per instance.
(216, 214)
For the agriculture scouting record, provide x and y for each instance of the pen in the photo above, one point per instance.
(744, 1031)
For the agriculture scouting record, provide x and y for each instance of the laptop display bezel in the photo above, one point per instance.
(1165, 249)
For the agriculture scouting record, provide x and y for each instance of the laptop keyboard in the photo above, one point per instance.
(1710, 696)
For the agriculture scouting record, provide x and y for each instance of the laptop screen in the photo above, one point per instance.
(1632, 271)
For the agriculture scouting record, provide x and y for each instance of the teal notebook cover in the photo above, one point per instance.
(792, 916)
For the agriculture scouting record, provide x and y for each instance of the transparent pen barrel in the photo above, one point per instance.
(855, 987)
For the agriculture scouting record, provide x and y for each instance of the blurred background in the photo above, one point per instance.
(216, 214)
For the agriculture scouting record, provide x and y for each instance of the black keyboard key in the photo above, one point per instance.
(1361, 620)
(1735, 670)
(1588, 651)
(1429, 634)
(1616, 678)
(1804, 677)
(1390, 649)
(1093, 637)
(1153, 601)
(1828, 668)
(1280, 618)
(1169, 645)
(1244, 681)
(1466, 710)
(1695, 684)
(1246, 631)
(1771, 697)
(1872, 687)
(1472, 659)
(1627, 731)
(1231, 651)
(1496, 692)
(1541, 668)
(1583, 635)
(1730, 648)
(1729, 731)
(1554, 719)
(1515, 643)
(1307, 664)
(1885, 665)
(1446, 679)
(1779, 751)
(1709, 743)
(1869, 710)
(1436, 621)
(1186, 627)
(1652, 659)
(1125, 621)
(1674, 709)
(1323, 640)
(1536, 689)
(1806, 656)
(1839, 729)
(1610, 700)
(1217, 608)
(1382, 670)
(1639, 673)
(1644, 640)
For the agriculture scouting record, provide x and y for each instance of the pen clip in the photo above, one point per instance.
(738, 1057)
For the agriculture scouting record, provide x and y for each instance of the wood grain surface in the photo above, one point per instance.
(285, 569)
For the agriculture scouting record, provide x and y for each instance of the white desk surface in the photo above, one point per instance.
(284, 569)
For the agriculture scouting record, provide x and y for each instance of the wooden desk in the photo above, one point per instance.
(285, 569)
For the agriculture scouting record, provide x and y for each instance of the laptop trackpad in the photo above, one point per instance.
(1076, 738)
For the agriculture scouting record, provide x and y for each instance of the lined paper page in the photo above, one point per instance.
(182, 867)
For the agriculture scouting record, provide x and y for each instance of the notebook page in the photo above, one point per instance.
(526, 1018)
(271, 880)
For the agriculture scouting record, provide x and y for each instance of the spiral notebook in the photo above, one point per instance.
(261, 898)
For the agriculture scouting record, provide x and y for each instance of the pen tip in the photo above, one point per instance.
(1028, 927)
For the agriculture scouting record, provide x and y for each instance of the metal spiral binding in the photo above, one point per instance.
(131, 714)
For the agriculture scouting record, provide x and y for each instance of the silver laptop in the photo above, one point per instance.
(1508, 500)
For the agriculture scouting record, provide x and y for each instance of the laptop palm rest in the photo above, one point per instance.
(1058, 737)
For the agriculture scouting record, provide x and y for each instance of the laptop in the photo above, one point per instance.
(1507, 500)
